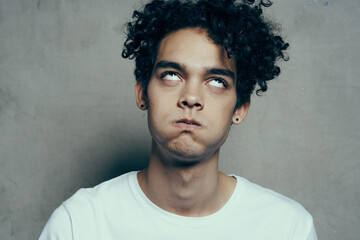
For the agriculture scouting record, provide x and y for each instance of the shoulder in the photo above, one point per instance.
(262, 197)
(274, 208)
(58, 226)
(81, 214)
(100, 196)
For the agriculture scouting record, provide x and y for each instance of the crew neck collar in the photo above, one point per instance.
(168, 216)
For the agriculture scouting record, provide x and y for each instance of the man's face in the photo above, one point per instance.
(191, 95)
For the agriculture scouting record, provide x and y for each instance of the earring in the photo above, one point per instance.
(236, 120)
(142, 106)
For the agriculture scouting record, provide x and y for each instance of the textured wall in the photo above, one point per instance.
(68, 117)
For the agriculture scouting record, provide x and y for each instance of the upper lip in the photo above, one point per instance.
(188, 121)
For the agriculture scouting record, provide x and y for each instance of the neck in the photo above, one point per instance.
(195, 190)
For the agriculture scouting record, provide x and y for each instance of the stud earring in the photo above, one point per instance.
(142, 106)
(236, 120)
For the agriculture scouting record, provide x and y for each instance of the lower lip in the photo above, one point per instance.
(187, 125)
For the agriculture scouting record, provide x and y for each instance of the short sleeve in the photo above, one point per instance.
(58, 226)
(312, 234)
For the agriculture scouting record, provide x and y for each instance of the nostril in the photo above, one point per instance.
(190, 103)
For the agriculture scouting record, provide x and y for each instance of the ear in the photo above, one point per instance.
(140, 96)
(240, 113)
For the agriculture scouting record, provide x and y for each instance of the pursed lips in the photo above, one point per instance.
(188, 124)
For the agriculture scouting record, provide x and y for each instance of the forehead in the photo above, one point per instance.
(193, 48)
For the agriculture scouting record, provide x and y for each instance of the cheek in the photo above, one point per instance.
(222, 108)
(159, 111)
(160, 105)
(157, 94)
(160, 101)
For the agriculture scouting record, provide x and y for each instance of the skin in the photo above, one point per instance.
(191, 99)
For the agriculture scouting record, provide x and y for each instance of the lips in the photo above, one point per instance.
(187, 124)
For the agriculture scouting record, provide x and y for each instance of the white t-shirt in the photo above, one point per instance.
(118, 209)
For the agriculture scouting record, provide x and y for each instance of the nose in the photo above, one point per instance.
(191, 98)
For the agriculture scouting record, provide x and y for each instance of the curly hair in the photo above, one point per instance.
(239, 27)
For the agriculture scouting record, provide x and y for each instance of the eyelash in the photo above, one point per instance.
(221, 80)
(162, 75)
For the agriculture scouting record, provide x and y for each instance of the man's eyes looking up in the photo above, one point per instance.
(218, 82)
(173, 77)
(170, 76)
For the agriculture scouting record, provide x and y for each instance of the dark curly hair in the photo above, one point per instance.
(239, 27)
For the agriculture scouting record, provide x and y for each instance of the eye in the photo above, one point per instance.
(170, 76)
(218, 83)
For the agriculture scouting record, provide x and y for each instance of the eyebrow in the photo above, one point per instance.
(221, 71)
(181, 67)
(168, 64)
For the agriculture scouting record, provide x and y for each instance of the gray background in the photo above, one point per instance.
(68, 117)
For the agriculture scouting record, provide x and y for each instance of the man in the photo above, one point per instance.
(196, 65)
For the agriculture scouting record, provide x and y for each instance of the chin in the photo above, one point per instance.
(186, 154)
(183, 161)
